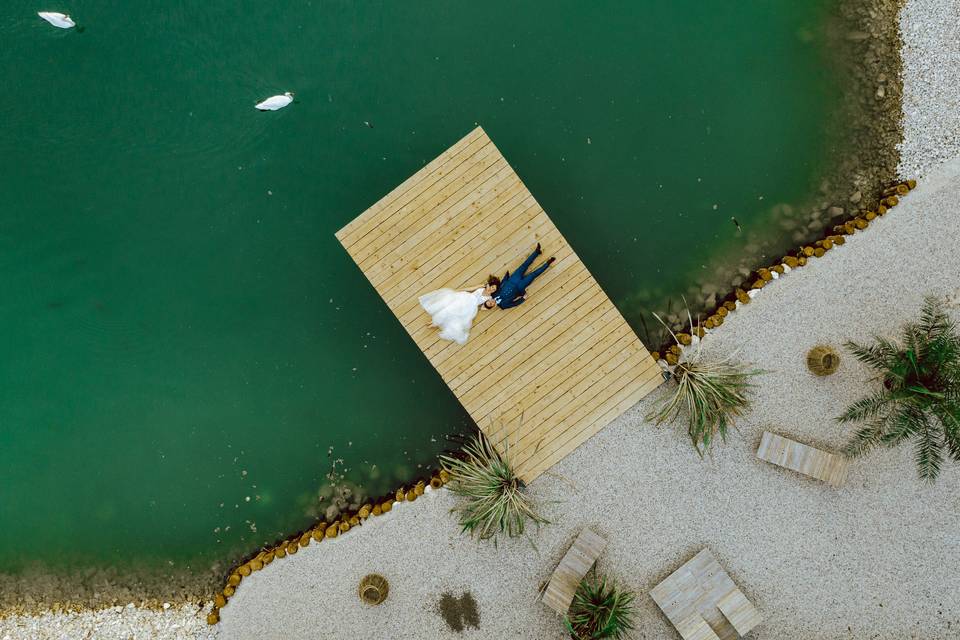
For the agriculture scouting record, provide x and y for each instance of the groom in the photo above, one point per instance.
(513, 287)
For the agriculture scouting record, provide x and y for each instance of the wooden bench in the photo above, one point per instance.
(828, 467)
(572, 568)
(703, 603)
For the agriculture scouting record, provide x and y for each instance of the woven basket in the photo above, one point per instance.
(373, 589)
(823, 360)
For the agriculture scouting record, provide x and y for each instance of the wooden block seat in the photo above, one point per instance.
(810, 461)
(566, 578)
(691, 596)
(696, 628)
(739, 611)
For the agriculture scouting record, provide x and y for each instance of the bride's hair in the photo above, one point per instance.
(493, 280)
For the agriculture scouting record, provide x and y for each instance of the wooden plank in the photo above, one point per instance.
(559, 440)
(572, 360)
(362, 223)
(575, 387)
(474, 266)
(570, 376)
(409, 309)
(436, 199)
(432, 235)
(433, 238)
(580, 407)
(445, 355)
(563, 275)
(407, 279)
(586, 421)
(565, 359)
(574, 565)
(482, 387)
(589, 310)
(739, 611)
(397, 215)
(411, 188)
(524, 422)
(810, 461)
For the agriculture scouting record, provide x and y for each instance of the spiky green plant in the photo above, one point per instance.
(600, 609)
(711, 393)
(919, 396)
(494, 499)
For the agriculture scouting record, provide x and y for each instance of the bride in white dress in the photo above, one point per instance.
(453, 311)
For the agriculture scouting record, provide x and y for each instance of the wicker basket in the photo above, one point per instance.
(823, 360)
(373, 589)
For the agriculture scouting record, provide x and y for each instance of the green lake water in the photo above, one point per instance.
(185, 347)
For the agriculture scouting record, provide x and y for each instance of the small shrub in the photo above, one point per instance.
(920, 393)
(712, 394)
(600, 609)
(494, 499)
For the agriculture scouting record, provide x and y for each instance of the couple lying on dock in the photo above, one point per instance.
(453, 311)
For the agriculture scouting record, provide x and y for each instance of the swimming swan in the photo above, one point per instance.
(61, 20)
(275, 102)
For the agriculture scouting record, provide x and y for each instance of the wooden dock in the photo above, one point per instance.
(538, 379)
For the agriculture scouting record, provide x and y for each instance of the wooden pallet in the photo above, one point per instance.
(538, 379)
(694, 627)
(703, 603)
(802, 458)
(572, 568)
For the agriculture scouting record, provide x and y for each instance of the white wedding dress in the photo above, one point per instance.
(453, 311)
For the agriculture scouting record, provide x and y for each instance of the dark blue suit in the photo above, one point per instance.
(515, 284)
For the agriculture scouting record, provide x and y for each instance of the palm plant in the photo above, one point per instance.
(920, 393)
(712, 394)
(495, 502)
(600, 610)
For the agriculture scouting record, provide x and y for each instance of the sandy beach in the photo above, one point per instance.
(873, 559)
(931, 95)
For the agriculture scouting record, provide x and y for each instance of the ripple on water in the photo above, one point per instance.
(112, 337)
(54, 291)
(210, 115)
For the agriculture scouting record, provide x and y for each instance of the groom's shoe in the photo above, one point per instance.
(538, 249)
(551, 260)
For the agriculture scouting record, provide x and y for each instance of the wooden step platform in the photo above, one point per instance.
(538, 379)
(802, 458)
(574, 565)
(703, 603)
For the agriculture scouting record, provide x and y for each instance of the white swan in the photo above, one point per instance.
(275, 102)
(61, 20)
